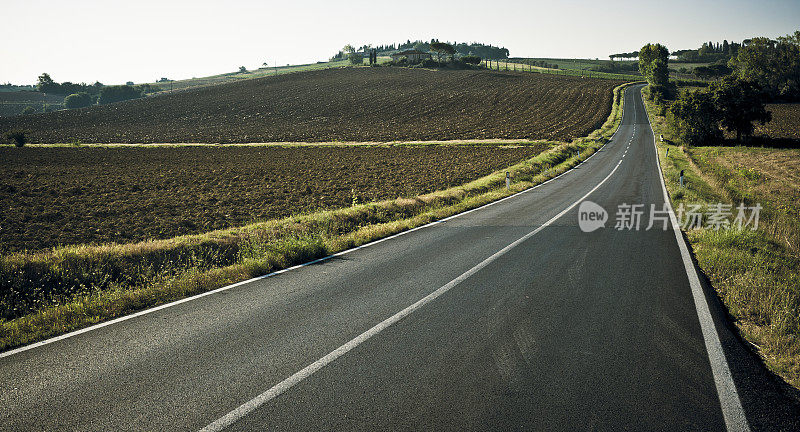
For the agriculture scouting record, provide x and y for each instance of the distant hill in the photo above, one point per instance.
(462, 49)
(348, 104)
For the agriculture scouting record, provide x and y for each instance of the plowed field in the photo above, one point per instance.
(350, 104)
(62, 195)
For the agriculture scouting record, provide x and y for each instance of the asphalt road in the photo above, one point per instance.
(566, 330)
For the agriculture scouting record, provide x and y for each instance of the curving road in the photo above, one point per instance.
(508, 317)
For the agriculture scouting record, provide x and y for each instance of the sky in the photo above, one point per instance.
(141, 41)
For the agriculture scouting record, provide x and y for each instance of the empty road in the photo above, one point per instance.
(509, 317)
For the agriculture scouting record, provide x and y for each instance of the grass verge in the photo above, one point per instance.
(753, 272)
(72, 287)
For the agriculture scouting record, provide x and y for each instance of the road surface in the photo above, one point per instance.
(511, 318)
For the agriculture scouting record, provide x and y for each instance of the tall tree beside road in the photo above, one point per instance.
(653, 64)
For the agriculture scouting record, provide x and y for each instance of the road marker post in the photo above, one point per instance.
(681, 180)
(508, 180)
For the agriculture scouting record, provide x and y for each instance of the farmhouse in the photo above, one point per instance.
(411, 55)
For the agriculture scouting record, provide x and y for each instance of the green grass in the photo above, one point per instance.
(755, 273)
(255, 73)
(513, 66)
(160, 271)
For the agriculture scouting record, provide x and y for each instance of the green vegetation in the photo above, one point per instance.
(471, 59)
(653, 64)
(442, 49)
(119, 93)
(14, 102)
(355, 59)
(79, 100)
(773, 65)
(18, 137)
(698, 116)
(753, 271)
(47, 85)
(460, 49)
(527, 65)
(193, 264)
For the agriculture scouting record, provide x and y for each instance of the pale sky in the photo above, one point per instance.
(141, 41)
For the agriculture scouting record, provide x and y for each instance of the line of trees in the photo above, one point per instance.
(731, 104)
(46, 84)
(629, 55)
(461, 49)
(773, 64)
(82, 95)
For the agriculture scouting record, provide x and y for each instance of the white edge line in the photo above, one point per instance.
(253, 404)
(295, 267)
(732, 411)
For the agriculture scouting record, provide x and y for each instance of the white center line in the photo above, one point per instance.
(253, 404)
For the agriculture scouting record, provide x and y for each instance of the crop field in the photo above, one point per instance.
(61, 195)
(13, 102)
(353, 104)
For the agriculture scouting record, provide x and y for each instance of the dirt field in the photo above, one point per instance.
(351, 104)
(785, 122)
(53, 196)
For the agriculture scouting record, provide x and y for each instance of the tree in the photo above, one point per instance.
(46, 84)
(18, 136)
(471, 59)
(78, 100)
(242, 69)
(349, 49)
(356, 59)
(694, 117)
(739, 104)
(118, 93)
(660, 72)
(442, 48)
(654, 63)
(774, 65)
(712, 71)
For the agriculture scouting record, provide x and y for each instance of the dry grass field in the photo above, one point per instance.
(352, 104)
(753, 271)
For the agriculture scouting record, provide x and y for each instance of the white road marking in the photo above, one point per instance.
(288, 269)
(732, 411)
(253, 404)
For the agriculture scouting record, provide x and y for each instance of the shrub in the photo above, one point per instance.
(118, 93)
(471, 59)
(78, 100)
(242, 69)
(356, 59)
(28, 110)
(695, 118)
(18, 136)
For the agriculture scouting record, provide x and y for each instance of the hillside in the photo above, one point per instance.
(351, 104)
